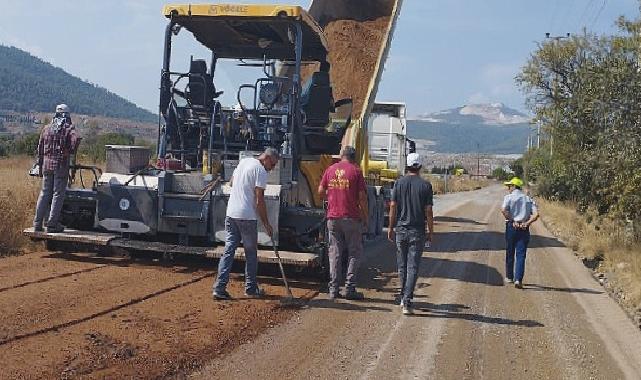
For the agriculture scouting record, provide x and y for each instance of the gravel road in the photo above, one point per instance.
(468, 324)
(81, 316)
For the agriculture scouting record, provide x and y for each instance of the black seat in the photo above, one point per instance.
(316, 100)
(202, 91)
(200, 84)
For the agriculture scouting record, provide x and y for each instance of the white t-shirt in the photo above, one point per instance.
(249, 175)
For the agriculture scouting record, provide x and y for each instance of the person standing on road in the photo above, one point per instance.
(246, 204)
(509, 249)
(58, 141)
(520, 211)
(347, 215)
(411, 222)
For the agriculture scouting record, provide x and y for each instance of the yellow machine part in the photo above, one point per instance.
(244, 10)
(389, 174)
(313, 171)
(377, 166)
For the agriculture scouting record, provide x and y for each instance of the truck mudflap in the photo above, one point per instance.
(101, 239)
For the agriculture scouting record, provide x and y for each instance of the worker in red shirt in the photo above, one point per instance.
(344, 185)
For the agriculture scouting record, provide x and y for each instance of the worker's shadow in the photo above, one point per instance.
(452, 219)
(473, 241)
(455, 311)
(461, 270)
(346, 305)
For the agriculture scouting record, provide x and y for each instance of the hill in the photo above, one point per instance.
(29, 84)
(489, 114)
(495, 128)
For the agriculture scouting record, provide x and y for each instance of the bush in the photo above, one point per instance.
(501, 175)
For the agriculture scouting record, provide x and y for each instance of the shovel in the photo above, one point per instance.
(289, 300)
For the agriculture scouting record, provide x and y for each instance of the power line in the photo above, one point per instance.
(585, 13)
(554, 13)
(596, 18)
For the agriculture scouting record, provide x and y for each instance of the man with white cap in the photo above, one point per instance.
(411, 222)
(58, 141)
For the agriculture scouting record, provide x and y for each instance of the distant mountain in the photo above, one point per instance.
(486, 128)
(489, 114)
(29, 84)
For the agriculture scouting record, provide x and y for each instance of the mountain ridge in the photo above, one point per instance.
(476, 128)
(30, 84)
(486, 113)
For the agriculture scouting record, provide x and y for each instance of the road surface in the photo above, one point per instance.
(468, 324)
(81, 316)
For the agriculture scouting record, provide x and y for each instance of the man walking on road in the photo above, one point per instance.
(246, 204)
(509, 247)
(411, 222)
(347, 214)
(520, 211)
(58, 141)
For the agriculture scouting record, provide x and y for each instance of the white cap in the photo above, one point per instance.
(414, 159)
(60, 108)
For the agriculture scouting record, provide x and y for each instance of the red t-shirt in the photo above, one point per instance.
(344, 181)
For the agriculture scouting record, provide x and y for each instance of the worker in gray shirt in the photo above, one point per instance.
(520, 211)
(411, 222)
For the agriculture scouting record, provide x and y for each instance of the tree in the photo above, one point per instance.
(586, 92)
(517, 168)
(501, 174)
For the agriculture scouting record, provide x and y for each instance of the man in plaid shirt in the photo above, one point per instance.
(57, 142)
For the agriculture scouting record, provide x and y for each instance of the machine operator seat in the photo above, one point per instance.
(316, 100)
(201, 85)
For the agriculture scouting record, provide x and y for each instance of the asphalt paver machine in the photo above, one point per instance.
(178, 204)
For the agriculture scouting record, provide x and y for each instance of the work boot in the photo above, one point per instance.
(333, 296)
(255, 293)
(353, 295)
(222, 295)
(408, 309)
(56, 229)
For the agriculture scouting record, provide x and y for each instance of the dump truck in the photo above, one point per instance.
(297, 104)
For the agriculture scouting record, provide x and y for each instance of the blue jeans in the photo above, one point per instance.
(509, 253)
(409, 250)
(52, 195)
(517, 241)
(237, 230)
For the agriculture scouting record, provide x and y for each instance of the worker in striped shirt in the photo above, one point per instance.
(58, 141)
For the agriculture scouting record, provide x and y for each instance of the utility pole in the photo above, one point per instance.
(555, 89)
(478, 160)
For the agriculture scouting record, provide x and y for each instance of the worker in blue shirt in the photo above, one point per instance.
(520, 211)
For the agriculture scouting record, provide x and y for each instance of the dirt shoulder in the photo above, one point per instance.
(602, 249)
(68, 316)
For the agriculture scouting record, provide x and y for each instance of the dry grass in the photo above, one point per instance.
(455, 184)
(600, 239)
(18, 196)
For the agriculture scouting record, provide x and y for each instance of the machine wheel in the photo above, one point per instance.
(52, 245)
(323, 252)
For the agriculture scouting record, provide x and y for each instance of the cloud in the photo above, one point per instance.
(496, 83)
(478, 98)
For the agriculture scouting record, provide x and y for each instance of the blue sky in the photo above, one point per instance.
(445, 53)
